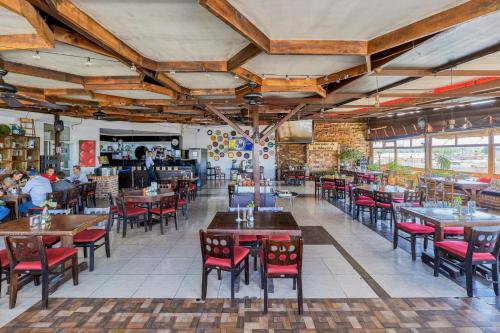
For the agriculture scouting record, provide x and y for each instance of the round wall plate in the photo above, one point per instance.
(215, 144)
(230, 154)
(233, 133)
(213, 138)
(216, 157)
(225, 135)
(209, 132)
(265, 156)
(217, 132)
(246, 156)
(221, 146)
(238, 154)
(265, 149)
(209, 147)
(221, 154)
(210, 154)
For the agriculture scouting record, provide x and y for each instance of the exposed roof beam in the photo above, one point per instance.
(168, 82)
(89, 80)
(419, 72)
(232, 17)
(319, 47)
(40, 72)
(246, 74)
(213, 92)
(71, 38)
(192, 66)
(434, 23)
(247, 53)
(43, 38)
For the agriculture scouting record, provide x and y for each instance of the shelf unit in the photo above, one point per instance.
(19, 152)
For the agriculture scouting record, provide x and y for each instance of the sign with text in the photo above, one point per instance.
(331, 146)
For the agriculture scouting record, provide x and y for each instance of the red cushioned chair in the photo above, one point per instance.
(166, 209)
(4, 267)
(340, 188)
(481, 249)
(317, 186)
(88, 239)
(182, 200)
(363, 201)
(329, 187)
(383, 202)
(414, 197)
(218, 252)
(282, 259)
(411, 230)
(127, 213)
(29, 255)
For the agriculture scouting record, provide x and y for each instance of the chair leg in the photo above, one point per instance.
(74, 269)
(468, 280)
(395, 238)
(204, 278)
(294, 283)
(107, 245)
(118, 223)
(14, 277)
(299, 294)
(175, 220)
(219, 275)
(92, 250)
(161, 224)
(264, 285)
(247, 271)
(45, 289)
(413, 241)
(437, 262)
(426, 242)
(233, 280)
(124, 227)
(85, 254)
(494, 273)
(371, 215)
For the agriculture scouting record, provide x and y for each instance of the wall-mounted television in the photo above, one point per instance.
(300, 131)
(239, 144)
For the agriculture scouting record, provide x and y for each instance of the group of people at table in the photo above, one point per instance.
(37, 186)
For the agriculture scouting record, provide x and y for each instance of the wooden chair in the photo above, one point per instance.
(282, 259)
(447, 192)
(317, 186)
(218, 252)
(432, 189)
(73, 199)
(340, 188)
(28, 255)
(383, 202)
(88, 239)
(166, 209)
(88, 194)
(127, 214)
(414, 197)
(481, 249)
(363, 200)
(4, 268)
(182, 197)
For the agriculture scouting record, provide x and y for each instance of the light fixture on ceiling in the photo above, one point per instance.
(264, 76)
(236, 77)
(172, 72)
(308, 78)
(287, 77)
(88, 62)
(377, 96)
(133, 68)
(36, 55)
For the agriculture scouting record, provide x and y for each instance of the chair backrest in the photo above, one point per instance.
(484, 240)
(25, 249)
(59, 197)
(60, 211)
(73, 195)
(448, 191)
(396, 210)
(436, 204)
(270, 209)
(412, 196)
(91, 187)
(384, 197)
(339, 182)
(101, 211)
(168, 201)
(358, 191)
(431, 189)
(283, 253)
(217, 246)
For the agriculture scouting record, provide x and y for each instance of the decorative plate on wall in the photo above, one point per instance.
(213, 138)
(226, 142)
(265, 149)
(221, 154)
(216, 151)
(267, 140)
(270, 145)
(209, 147)
(209, 132)
(215, 144)
(238, 154)
(271, 153)
(216, 158)
(225, 135)
(247, 132)
(265, 156)
(210, 154)
(219, 138)
(217, 132)
(230, 154)
(233, 133)
(221, 146)
(246, 156)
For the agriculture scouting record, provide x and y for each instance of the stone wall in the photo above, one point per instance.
(290, 153)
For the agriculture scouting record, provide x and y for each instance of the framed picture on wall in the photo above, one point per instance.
(87, 153)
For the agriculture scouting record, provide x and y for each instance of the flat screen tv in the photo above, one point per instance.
(239, 144)
(300, 131)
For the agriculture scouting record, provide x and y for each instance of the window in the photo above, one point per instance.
(383, 156)
(411, 152)
(463, 152)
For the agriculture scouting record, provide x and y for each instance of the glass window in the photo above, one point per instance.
(403, 143)
(389, 143)
(418, 142)
(472, 140)
(443, 141)
(465, 159)
(378, 144)
(383, 156)
(412, 157)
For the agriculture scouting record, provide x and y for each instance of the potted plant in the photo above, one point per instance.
(250, 208)
(350, 155)
(5, 129)
(373, 167)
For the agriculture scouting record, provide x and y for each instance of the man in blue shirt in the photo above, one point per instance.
(77, 176)
(37, 187)
(4, 211)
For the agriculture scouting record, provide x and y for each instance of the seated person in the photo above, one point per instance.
(50, 174)
(4, 211)
(12, 181)
(77, 176)
(62, 183)
(37, 187)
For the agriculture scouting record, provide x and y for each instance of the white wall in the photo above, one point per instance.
(89, 129)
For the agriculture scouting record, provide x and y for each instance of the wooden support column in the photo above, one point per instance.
(428, 154)
(255, 158)
(57, 143)
(491, 152)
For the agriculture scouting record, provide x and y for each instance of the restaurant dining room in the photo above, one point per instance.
(239, 166)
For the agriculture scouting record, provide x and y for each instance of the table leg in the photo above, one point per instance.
(150, 217)
(438, 233)
(16, 205)
(66, 241)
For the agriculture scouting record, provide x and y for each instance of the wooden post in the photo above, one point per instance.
(57, 144)
(255, 160)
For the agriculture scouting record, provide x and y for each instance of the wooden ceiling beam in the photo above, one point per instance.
(21, 42)
(168, 82)
(191, 66)
(213, 92)
(44, 38)
(247, 75)
(71, 38)
(90, 80)
(319, 47)
(435, 23)
(232, 17)
(248, 52)
(419, 72)
(17, 68)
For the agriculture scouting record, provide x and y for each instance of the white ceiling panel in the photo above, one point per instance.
(300, 65)
(167, 30)
(491, 62)
(36, 82)
(135, 94)
(336, 19)
(369, 83)
(70, 59)
(209, 80)
(427, 84)
(13, 24)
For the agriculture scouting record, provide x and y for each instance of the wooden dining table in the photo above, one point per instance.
(396, 191)
(469, 186)
(64, 226)
(149, 198)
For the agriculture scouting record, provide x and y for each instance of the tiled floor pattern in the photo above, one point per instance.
(342, 315)
(150, 265)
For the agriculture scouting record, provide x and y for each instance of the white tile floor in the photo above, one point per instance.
(151, 265)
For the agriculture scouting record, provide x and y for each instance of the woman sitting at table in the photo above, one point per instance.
(37, 187)
(12, 181)
(4, 211)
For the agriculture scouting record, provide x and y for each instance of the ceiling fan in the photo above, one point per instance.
(9, 94)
